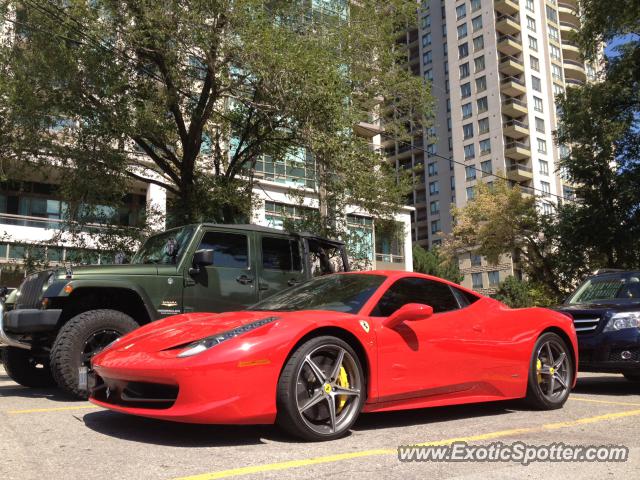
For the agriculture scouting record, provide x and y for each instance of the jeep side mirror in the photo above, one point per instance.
(410, 312)
(202, 258)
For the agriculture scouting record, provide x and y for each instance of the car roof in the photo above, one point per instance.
(248, 227)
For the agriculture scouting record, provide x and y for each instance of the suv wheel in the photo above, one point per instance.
(80, 339)
(26, 369)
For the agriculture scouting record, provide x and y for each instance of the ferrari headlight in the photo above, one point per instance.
(204, 344)
(622, 320)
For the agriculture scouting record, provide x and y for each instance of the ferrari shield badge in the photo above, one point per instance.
(365, 325)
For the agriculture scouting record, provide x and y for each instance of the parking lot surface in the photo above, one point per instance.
(45, 435)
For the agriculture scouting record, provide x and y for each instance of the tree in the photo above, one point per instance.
(191, 95)
(431, 262)
(522, 294)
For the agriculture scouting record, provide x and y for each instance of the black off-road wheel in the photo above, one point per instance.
(321, 390)
(27, 369)
(550, 373)
(80, 339)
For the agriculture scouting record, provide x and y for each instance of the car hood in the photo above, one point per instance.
(622, 304)
(104, 270)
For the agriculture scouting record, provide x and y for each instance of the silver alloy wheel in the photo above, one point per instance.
(325, 404)
(553, 370)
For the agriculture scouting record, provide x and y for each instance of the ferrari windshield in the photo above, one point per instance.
(340, 293)
(165, 248)
(610, 287)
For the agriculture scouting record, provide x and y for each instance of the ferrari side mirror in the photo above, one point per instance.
(410, 312)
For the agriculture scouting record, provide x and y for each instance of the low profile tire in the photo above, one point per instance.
(321, 390)
(550, 373)
(632, 376)
(26, 369)
(80, 339)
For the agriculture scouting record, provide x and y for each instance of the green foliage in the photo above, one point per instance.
(431, 262)
(522, 294)
(116, 92)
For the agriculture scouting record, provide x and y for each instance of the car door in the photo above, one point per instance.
(227, 285)
(426, 357)
(279, 264)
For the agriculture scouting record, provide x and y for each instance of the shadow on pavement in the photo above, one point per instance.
(158, 432)
(607, 385)
(52, 393)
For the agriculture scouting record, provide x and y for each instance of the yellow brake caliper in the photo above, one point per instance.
(343, 381)
(538, 369)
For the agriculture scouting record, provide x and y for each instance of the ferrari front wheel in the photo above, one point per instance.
(321, 390)
(550, 373)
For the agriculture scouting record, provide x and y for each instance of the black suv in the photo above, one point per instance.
(606, 313)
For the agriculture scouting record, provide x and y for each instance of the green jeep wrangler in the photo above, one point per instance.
(58, 319)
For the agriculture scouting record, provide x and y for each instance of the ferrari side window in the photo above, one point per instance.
(230, 250)
(416, 290)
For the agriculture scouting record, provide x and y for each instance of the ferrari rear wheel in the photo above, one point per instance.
(550, 373)
(321, 390)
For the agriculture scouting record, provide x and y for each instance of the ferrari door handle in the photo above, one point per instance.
(244, 280)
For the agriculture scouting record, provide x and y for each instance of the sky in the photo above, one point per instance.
(611, 47)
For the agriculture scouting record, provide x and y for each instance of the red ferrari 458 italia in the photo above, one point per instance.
(312, 357)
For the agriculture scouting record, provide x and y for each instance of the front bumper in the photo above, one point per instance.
(610, 352)
(24, 322)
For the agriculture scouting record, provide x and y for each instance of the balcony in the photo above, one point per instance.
(574, 70)
(568, 12)
(568, 30)
(508, 7)
(571, 50)
(517, 150)
(368, 130)
(513, 86)
(508, 25)
(511, 66)
(572, 82)
(514, 108)
(515, 129)
(509, 45)
(519, 173)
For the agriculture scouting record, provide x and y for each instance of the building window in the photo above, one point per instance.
(462, 31)
(467, 110)
(546, 189)
(478, 43)
(537, 104)
(446, 67)
(465, 90)
(531, 24)
(533, 43)
(558, 89)
(476, 5)
(483, 104)
(436, 226)
(529, 5)
(554, 33)
(547, 208)
(427, 57)
(432, 169)
(535, 63)
(471, 191)
(536, 84)
(464, 70)
(483, 126)
(461, 11)
(481, 84)
(426, 39)
(444, 32)
(476, 280)
(476, 260)
(476, 23)
(544, 167)
(434, 188)
(434, 207)
(485, 146)
(469, 151)
(554, 52)
(467, 131)
(452, 182)
(486, 167)
(463, 50)
(428, 75)
(540, 125)
(426, 21)
(542, 145)
(479, 63)
(552, 14)
(470, 172)
(494, 278)
(556, 72)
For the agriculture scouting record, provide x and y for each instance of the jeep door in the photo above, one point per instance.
(230, 283)
(279, 263)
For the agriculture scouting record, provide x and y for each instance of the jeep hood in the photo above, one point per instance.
(108, 270)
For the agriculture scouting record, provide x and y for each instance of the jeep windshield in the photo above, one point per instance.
(339, 293)
(606, 288)
(165, 248)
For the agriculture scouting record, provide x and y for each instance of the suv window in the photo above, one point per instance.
(230, 250)
(416, 290)
(281, 254)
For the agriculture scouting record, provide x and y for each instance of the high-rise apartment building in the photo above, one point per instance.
(495, 67)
